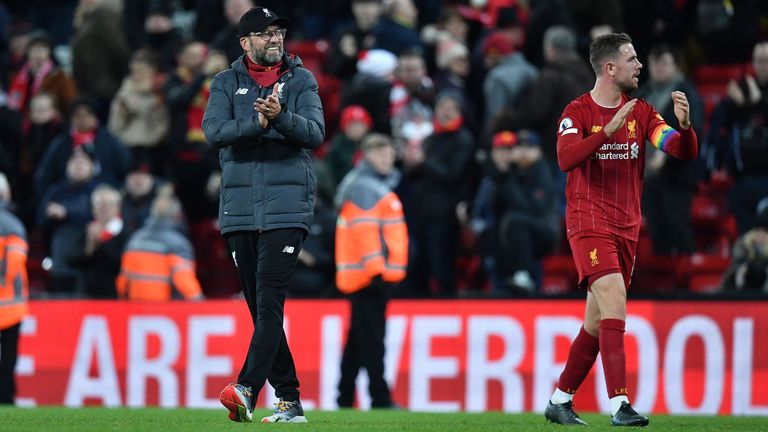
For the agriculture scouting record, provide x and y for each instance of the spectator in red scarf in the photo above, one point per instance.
(411, 99)
(111, 157)
(44, 125)
(100, 248)
(437, 174)
(39, 73)
(194, 161)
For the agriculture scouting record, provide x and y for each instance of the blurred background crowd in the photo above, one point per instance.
(100, 129)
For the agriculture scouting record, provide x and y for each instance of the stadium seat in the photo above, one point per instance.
(330, 93)
(559, 275)
(711, 81)
(711, 94)
(706, 271)
(714, 227)
(720, 183)
(659, 274)
(718, 73)
(311, 52)
(707, 209)
(215, 269)
(39, 278)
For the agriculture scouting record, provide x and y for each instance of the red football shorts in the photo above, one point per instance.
(598, 254)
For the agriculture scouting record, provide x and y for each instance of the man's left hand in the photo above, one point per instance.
(682, 109)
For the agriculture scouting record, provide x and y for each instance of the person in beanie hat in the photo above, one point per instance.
(264, 115)
(355, 123)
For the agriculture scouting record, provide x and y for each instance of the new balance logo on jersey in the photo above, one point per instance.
(288, 249)
(241, 91)
(634, 151)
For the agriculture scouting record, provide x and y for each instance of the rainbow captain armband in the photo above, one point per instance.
(662, 135)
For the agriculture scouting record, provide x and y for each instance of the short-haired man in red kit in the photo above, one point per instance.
(601, 145)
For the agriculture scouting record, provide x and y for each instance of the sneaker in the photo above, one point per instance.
(286, 412)
(563, 414)
(626, 416)
(237, 399)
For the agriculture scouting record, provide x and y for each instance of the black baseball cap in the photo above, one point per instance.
(257, 19)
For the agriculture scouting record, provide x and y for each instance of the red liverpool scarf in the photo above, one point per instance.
(266, 76)
(451, 126)
(81, 138)
(20, 92)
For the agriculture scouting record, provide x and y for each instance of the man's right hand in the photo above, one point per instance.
(621, 116)
(56, 211)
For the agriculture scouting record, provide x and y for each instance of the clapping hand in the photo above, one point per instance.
(682, 109)
(268, 108)
(619, 118)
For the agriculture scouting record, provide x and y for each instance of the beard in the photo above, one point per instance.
(263, 58)
(628, 86)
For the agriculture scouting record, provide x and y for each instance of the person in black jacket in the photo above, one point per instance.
(264, 115)
(193, 161)
(353, 38)
(669, 182)
(522, 202)
(111, 157)
(100, 248)
(437, 171)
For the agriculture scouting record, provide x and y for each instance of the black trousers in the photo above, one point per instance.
(265, 262)
(667, 208)
(9, 350)
(522, 243)
(365, 346)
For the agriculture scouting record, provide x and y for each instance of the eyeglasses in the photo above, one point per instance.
(267, 35)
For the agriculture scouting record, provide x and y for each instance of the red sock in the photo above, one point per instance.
(581, 357)
(612, 352)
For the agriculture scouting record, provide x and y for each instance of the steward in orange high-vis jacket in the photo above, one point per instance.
(158, 262)
(13, 290)
(371, 256)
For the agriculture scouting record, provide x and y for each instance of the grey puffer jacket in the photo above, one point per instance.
(267, 180)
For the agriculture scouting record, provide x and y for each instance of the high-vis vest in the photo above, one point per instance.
(14, 285)
(157, 265)
(371, 235)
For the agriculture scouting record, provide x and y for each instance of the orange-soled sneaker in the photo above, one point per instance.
(237, 399)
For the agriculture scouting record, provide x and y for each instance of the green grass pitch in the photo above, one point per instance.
(189, 420)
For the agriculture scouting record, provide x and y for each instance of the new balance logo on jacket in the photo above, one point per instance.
(241, 91)
(288, 249)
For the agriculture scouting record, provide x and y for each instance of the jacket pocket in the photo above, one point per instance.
(237, 201)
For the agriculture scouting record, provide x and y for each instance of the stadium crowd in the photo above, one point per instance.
(100, 134)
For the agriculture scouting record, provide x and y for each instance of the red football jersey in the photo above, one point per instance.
(605, 175)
